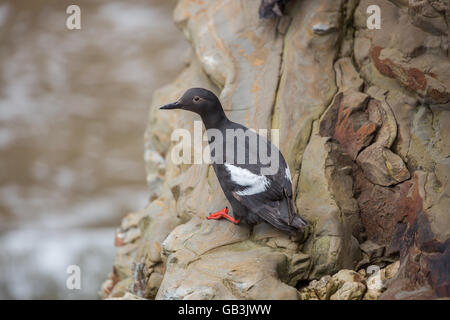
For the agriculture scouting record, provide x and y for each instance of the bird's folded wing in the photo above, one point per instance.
(268, 196)
(270, 211)
(247, 180)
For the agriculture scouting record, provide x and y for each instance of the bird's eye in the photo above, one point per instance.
(196, 99)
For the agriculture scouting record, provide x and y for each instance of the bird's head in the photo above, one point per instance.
(198, 100)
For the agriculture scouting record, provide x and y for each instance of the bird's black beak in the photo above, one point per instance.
(175, 105)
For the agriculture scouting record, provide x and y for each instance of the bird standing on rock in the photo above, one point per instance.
(257, 185)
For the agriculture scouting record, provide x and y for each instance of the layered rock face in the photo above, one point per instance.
(364, 123)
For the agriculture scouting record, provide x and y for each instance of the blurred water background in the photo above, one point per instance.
(73, 110)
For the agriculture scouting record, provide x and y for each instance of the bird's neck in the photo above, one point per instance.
(214, 120)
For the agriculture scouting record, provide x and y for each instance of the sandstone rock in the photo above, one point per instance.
(391, 270)
(347, 122)
(153, 284)
(323, 287)
(264, 233)
(346, 75)
(123, 260)
(299, 268)
(308, 294)
(352, 120)
(106, 287)
(132, 219)
(301, 99)
(372, 249)
(147, 264)
(381, 112)
(406, 63)
(344, 285)
(381, 166)
(347, 285)
(125, 237)
(200, 265)
(363, 118)
(404, 77)
(331, 247)
(319, 289)
(344, 276)
(196, 236)
(373, 253)
(121, 288)
(239, 271)
(349, 291)
(237, 57)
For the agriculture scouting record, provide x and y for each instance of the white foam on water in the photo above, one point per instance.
(34, 262)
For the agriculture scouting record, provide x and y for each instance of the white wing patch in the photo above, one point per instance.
(245, 178)
(288, 174)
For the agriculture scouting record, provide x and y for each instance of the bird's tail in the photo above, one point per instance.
(280, 214)
(294, 219)
(298, 222)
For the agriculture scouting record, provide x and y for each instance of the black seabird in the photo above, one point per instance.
(254, 195)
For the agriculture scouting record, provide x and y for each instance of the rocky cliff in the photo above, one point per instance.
(364, 122)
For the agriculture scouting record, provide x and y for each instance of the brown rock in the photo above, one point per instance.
(396, 55)
(346, 75)
(344, 285)
(381, 166)
(348, 122)
(372, 249)
(331, 247)
(363, 118)
(349, 291)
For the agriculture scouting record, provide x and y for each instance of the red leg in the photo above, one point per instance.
(223, 214)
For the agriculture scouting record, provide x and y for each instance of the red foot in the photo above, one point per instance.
(223, 214)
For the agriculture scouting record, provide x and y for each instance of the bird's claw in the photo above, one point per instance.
(223, 214)
(218, 214)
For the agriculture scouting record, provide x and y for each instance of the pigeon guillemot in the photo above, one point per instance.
(253, 195)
